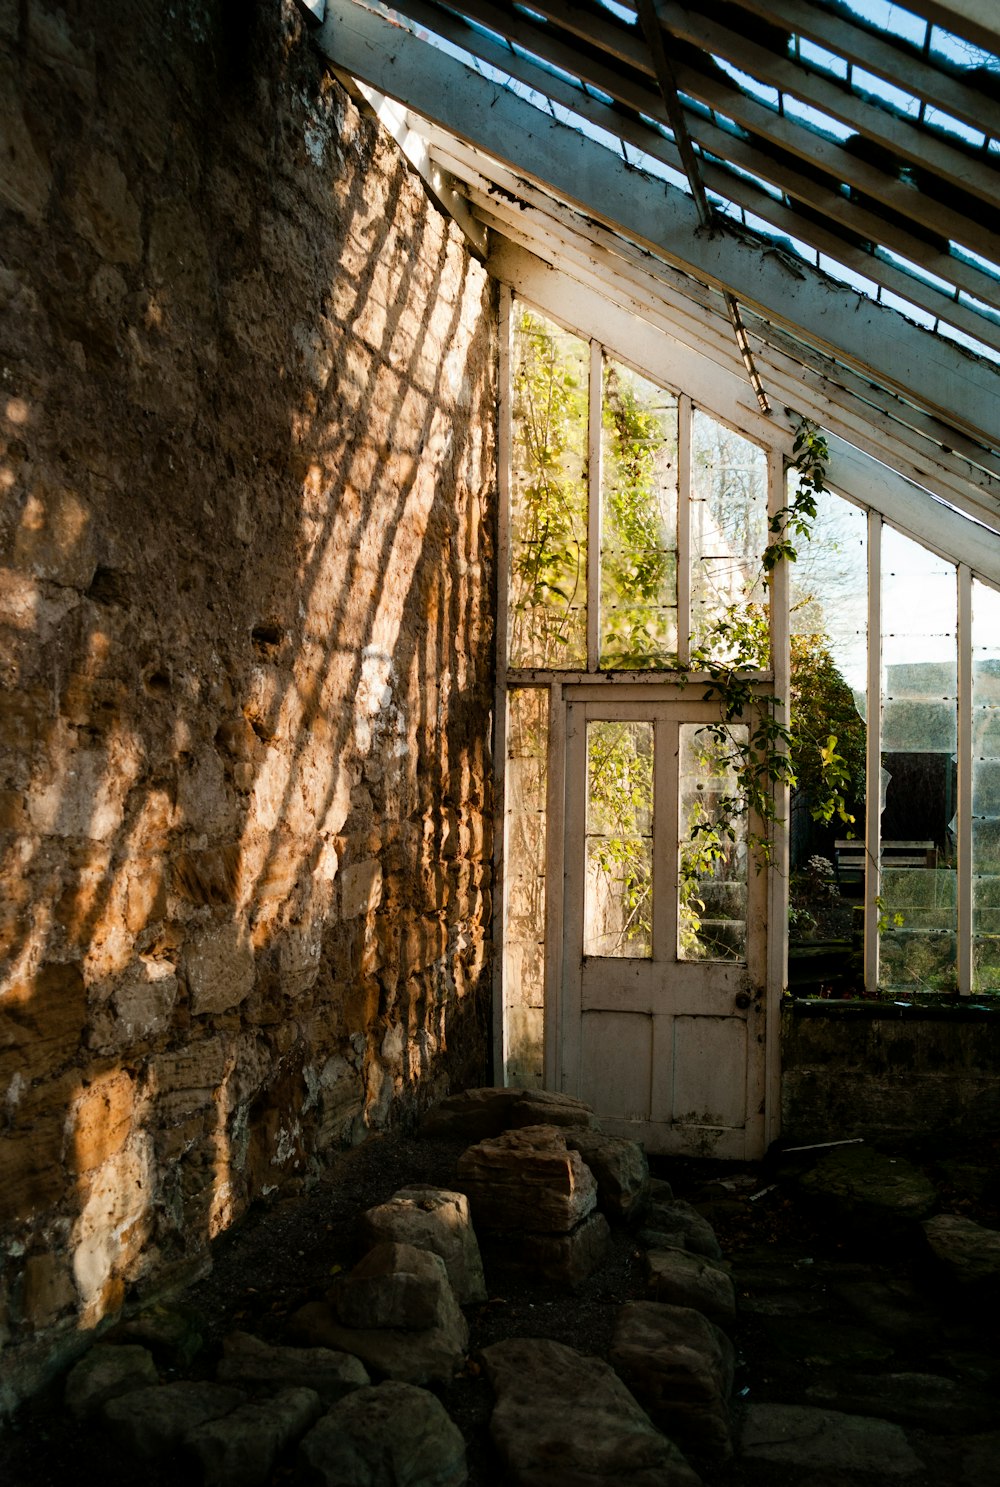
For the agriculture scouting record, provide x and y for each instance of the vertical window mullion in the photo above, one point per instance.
(683, 530)
(873, 791)
(594, 469)
(964, 792)
(504, 469)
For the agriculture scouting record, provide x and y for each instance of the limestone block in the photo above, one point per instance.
(48, 1288)
(104, 211)
(42, 1016)
(101, 1121)
(970, 1252)
(360, 889)
(816, 1440)
(171, 1333)
(179, 259)
(527, 1179)
(437, 1220)
(83, 795)
(680, 1368)
(564, 1259)
(619, 1167)
(25, 177)
(106, 1372)
(240, 1449)
(562, 1419)
(389, 1435)
(219, 967)
(684, 1279)
(149, 1423)
(249, 1363)
(396, 1285)
(115, 1221)
(144, 1004)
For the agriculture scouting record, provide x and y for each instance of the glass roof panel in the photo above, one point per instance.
(883, 92)
(969, 342)
(763, 92)
(908, 308)
(815, 119)
(817, 56)
(887, 16)
(947, 47)
(948, 124)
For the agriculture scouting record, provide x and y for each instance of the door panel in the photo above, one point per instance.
(664, 955)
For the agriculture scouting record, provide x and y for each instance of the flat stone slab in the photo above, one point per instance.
(927, 1400)
(970, 1252)
(679, 1366)
(171, 1333)
(151, 1422)
(389, 1435)
(565, 1260)
(683, 1279)
(563, 1419)
(248, 1363)
(864, 1185)
(811, 1439)
(529, 1180)
(620, 1170)
(476, 1114)
(438, 1220)
(677, 1223)
(106, 1372)
(240, 1449)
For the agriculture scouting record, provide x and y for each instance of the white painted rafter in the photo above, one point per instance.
(876, 342)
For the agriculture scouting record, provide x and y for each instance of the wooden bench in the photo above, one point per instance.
(849, 857)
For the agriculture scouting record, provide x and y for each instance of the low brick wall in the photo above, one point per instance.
(878, 1070)
(247, 474)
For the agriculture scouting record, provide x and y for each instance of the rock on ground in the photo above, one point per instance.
(240, 1449)
(388, 1435)
(527, 1179)
(566, 1420)
(866, 1186)
(476, 1114)
(396, 1285)
(104, 1373)
(679, 1224)
(251, 1364)
(680, 1368)
(172, 1334)
(566, 1260)
(682, 1279)
(970, 1252)
(809, 1439)
(433, 1219)
(620, 1170)
(153, 1421)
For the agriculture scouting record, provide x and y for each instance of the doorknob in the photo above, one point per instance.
(743, 1000)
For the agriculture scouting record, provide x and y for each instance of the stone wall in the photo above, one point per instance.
(887, 1072)
(247, 394)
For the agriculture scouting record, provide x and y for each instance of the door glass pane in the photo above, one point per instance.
(638, 522)
(712, 877)
(985, 788)
(919, 738)
(548, 519)
(524, 948)
(618, 897)
(728, 537)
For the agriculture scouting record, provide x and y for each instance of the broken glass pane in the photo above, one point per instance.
(548, 524)
(712, 849)
(728, 537)
(524, 948)
(638, 521)
(618, 898)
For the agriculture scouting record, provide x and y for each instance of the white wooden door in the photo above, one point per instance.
(663, 968)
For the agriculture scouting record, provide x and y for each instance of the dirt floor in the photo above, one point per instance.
(285, 1255)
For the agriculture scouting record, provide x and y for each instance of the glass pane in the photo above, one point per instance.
(638, 522)
(985, 788)
(728, 536)
(524, 949)
(712, 878)
(918, 917)
(829, 673)
(548, 526)
(618, 901)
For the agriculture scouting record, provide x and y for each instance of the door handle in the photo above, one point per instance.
(743, 1000)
